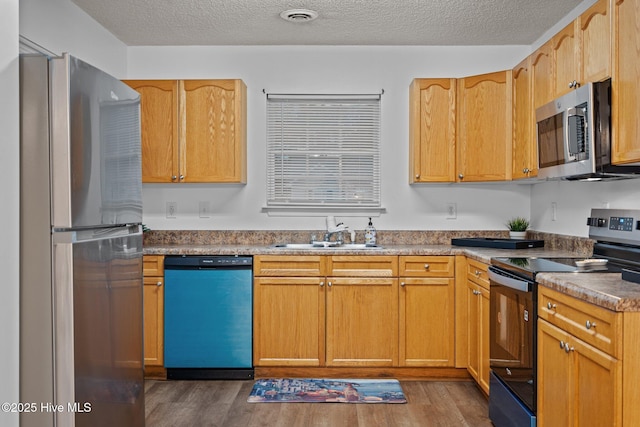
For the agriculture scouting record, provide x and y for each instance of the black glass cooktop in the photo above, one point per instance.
(554, 265)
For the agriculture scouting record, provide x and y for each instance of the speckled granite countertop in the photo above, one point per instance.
(607, 290)
(480, 254)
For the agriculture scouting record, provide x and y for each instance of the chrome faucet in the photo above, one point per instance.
(335, 229)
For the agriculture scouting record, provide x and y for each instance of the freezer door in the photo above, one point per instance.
(95, 147)
(98, 328)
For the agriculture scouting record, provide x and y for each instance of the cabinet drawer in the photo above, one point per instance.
(477, 273)
(153, 265)
(594, 325)
(427, 266)
(278, 265)
(362, 266)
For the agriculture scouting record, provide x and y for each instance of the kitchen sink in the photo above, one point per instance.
(328, 245)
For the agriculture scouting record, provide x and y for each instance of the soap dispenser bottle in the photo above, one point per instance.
(370, 234)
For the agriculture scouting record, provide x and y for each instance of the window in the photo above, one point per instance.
(323, 151)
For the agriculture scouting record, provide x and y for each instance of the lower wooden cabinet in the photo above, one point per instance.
(288, 318)
(362, 321)
(478, 306)
(427, 311)
(325, 310)
(578, 385)
(356, 313)
(583, 350)
(153, 296)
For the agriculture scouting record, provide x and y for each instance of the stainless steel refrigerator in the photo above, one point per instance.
(81, 360)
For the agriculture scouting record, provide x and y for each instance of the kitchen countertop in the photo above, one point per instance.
(607, 290)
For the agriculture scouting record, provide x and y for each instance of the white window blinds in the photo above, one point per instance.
(323, 150)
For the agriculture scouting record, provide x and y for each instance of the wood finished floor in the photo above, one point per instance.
(224, 404)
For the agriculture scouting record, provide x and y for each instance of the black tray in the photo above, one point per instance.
(630, 275)
(486, 242)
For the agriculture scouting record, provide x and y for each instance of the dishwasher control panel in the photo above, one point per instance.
(198, 261)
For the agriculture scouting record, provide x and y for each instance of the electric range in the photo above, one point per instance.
(513, 308)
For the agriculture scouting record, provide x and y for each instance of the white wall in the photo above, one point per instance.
(574, 201)
(60, 26)
(9, 194)
(327, 69)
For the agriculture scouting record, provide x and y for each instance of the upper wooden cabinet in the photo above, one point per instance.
(625, 88)
(432, 130)
(565, 59)
(582, 50)
(542, 88)
(484, 127)
(193, 130)
(525, 154)
(594, 30)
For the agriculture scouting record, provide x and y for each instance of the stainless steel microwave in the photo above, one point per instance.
(574, 136)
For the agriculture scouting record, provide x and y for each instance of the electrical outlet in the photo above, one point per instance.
(554, 211)
(172, 209)
(452, 211)
(204, 209)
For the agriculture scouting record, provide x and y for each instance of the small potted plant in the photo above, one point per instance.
(518, 227)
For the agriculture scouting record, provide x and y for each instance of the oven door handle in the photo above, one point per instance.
(503, 278)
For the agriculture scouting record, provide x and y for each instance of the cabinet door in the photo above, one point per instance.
(626, 90)
(541, 75)
(478, 306)
(427, 317)
(578, 385)
(362, 321)
(525, 155)
(213, 131)
(473, 330)
(153, 321)
(598, 387)
(159, 127)
(595, 42)
(432, 130)
(288, 321)
(484, 127)
(565, 51)
(485, 308)
(555, 370)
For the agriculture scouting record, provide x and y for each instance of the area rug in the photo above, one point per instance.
(308, 390)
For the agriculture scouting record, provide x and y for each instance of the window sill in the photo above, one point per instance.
(323, 211)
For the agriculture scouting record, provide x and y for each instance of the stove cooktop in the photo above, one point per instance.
(532, 266)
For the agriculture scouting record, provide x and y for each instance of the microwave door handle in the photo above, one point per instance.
(575, 128)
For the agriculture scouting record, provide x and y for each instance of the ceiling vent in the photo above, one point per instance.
(299, 15)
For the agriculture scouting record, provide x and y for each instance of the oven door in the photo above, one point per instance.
(512, 332)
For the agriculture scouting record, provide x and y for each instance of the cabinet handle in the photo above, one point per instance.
(402, 284)
(181, 177)
(551, 306)
(590, 324)
(426, 266)
(475, 292)
(329, 284)
(478, 273)
(568, 349)
(321, 284)
(159, 283)
(461, 176)
(526, 170)
(418, 176)
(173, 178)
(562, 345)
(574, 85)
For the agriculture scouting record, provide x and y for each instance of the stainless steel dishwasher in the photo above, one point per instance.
(208, 327)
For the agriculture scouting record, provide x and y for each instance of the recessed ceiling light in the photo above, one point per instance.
(299, 15)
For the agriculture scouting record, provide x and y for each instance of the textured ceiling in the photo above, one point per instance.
(340, 22)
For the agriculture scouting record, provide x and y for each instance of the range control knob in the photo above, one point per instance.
(597, 222)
